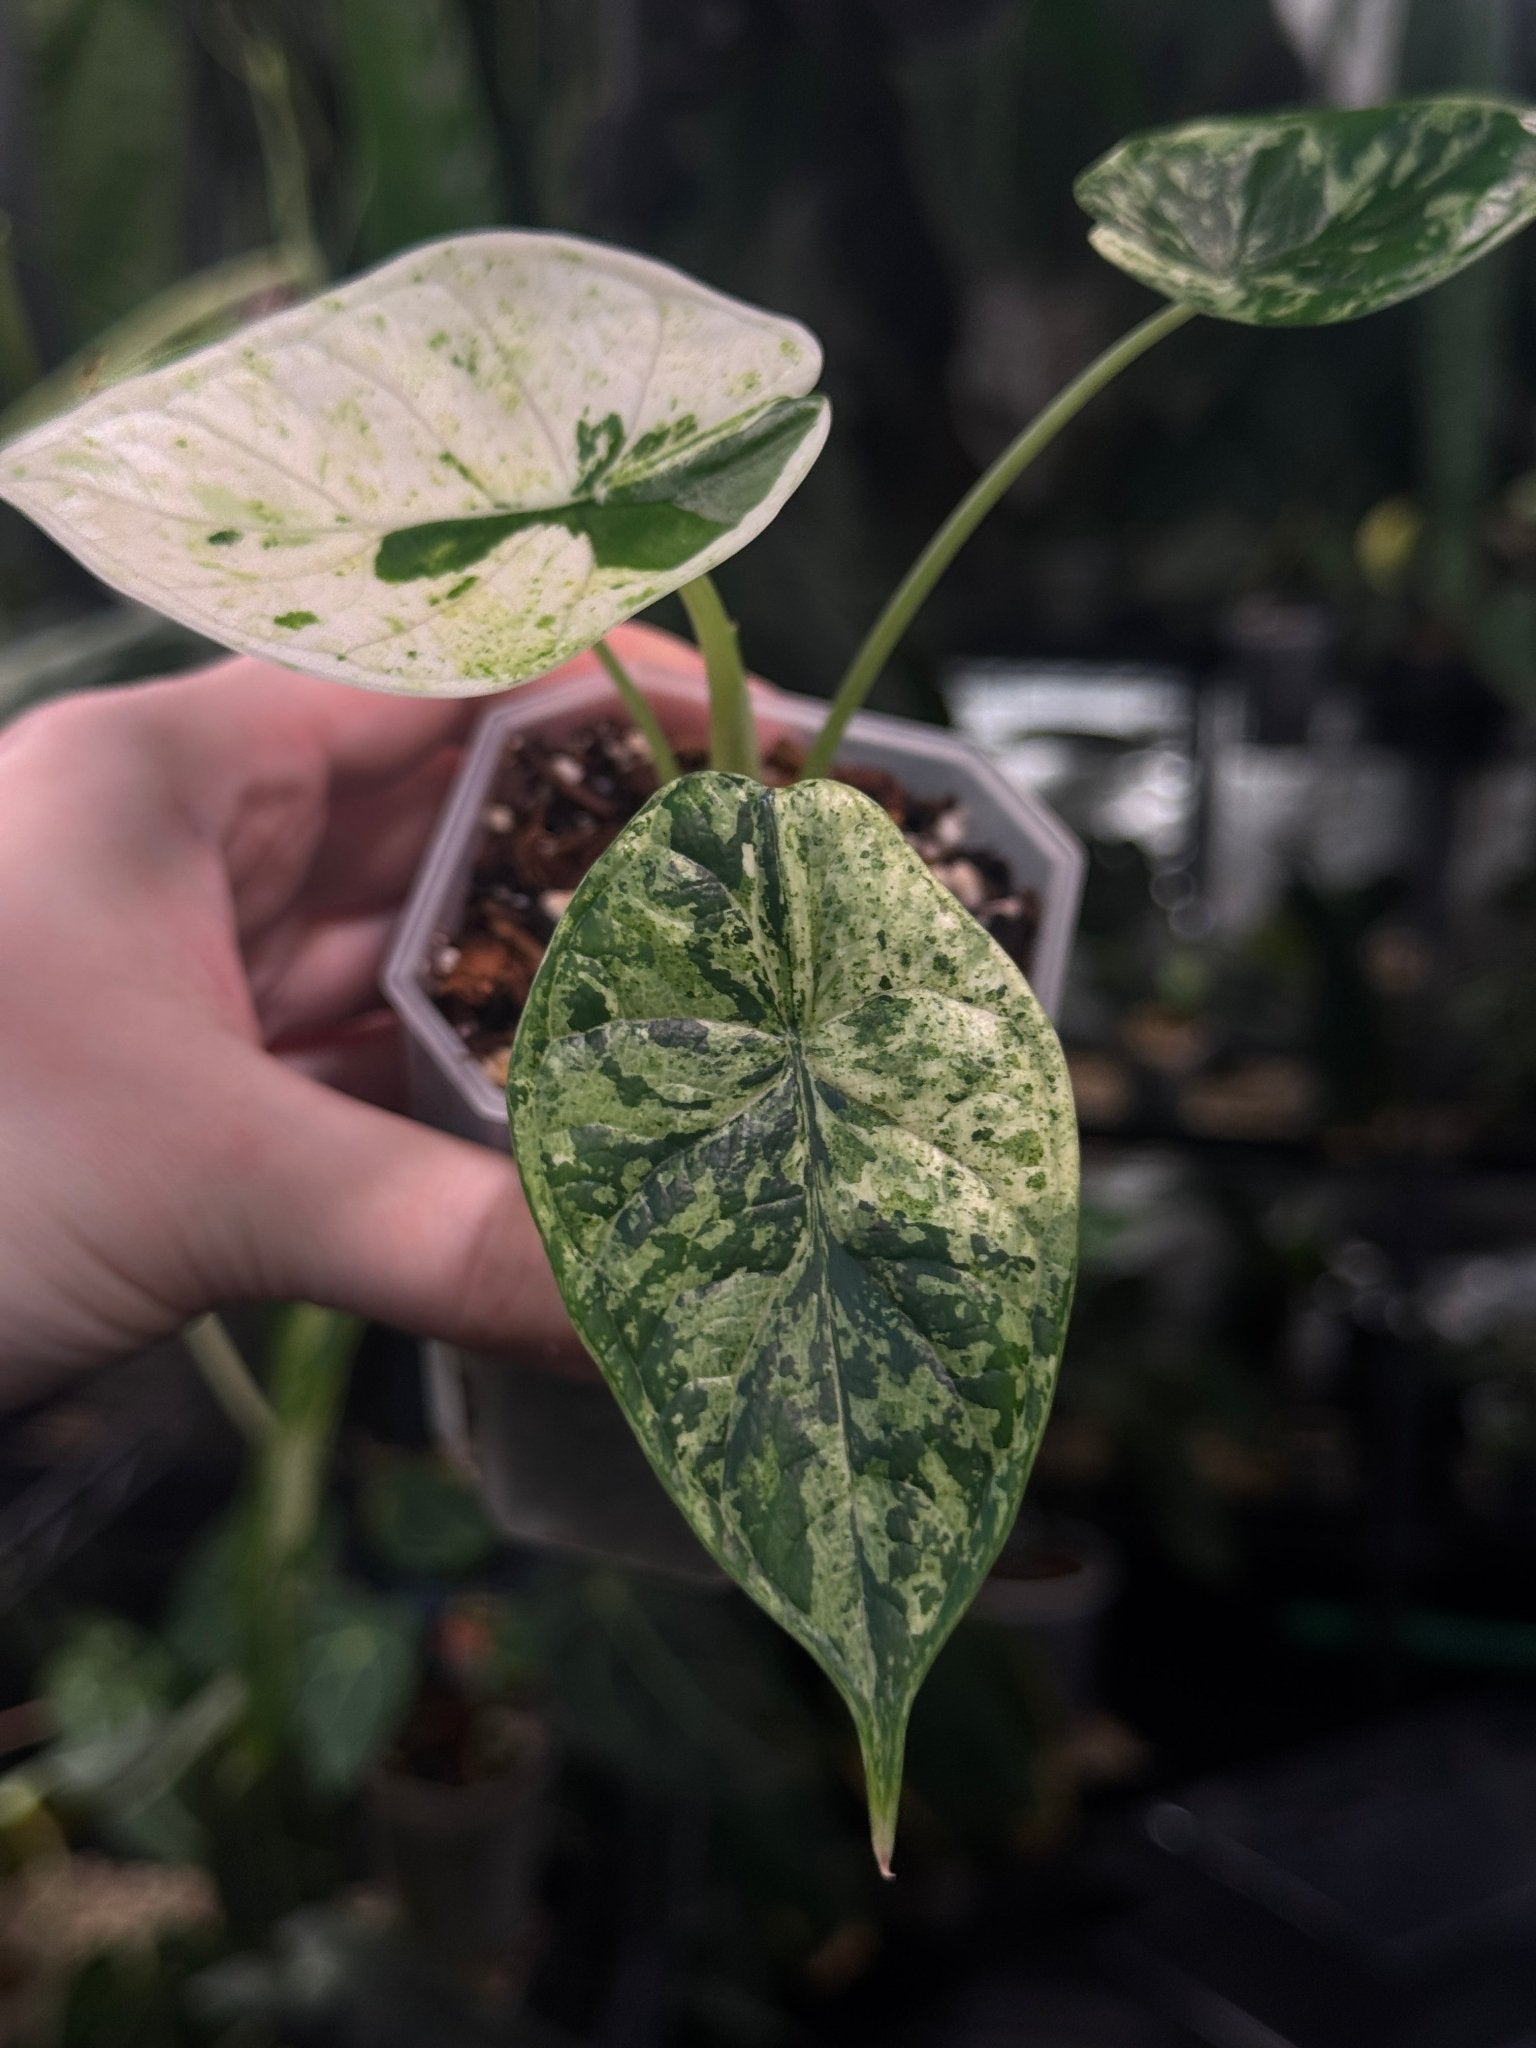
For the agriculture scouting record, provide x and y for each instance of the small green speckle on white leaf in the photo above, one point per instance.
(581, 428)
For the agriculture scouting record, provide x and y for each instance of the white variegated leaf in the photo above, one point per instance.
(447, 475)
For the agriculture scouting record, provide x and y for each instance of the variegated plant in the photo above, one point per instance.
(797, 1135)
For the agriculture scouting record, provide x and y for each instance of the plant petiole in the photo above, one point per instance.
(229, 1379)
(647, 724)
(732, 735)
(914, 588)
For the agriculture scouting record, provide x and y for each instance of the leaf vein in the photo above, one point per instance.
(180, 410)
(682, 1153)
(407, 404)
(488, 333)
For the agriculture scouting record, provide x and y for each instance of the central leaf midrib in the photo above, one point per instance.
(819, 1236)
(941, 1373)
(798, 1010)
(797, 1007)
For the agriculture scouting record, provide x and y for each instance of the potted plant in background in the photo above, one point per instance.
(795, 1129)
(291, 1720)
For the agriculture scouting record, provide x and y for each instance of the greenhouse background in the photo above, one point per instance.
(1250, 1761)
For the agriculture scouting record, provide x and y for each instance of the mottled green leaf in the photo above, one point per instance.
(1298, 219)
(448, 475)
(801, 1146)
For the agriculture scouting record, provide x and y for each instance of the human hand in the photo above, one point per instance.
(199, 879)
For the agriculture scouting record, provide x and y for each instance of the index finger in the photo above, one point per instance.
(254, 707)
(259, 710)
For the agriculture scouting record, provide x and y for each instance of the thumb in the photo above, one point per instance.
(353, 1207)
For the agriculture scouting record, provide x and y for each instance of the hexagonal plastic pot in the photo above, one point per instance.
(554, 1456)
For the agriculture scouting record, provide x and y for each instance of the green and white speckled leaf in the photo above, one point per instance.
(801, 1146)
(1298, 219)
(447, 476)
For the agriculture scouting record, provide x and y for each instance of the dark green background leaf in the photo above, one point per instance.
(801, 1146)
(205, 1628)
(675, 1687)
(419, 120)
(1299, 219)
(421, 1517)
(357, 1673)
(114, 102)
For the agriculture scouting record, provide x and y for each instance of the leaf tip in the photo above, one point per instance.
(883, 1747)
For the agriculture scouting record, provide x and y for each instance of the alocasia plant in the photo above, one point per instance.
(797, 1135)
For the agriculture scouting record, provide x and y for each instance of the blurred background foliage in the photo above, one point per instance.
(895, 172)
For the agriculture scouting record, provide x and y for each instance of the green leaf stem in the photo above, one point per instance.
(801, 1146)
